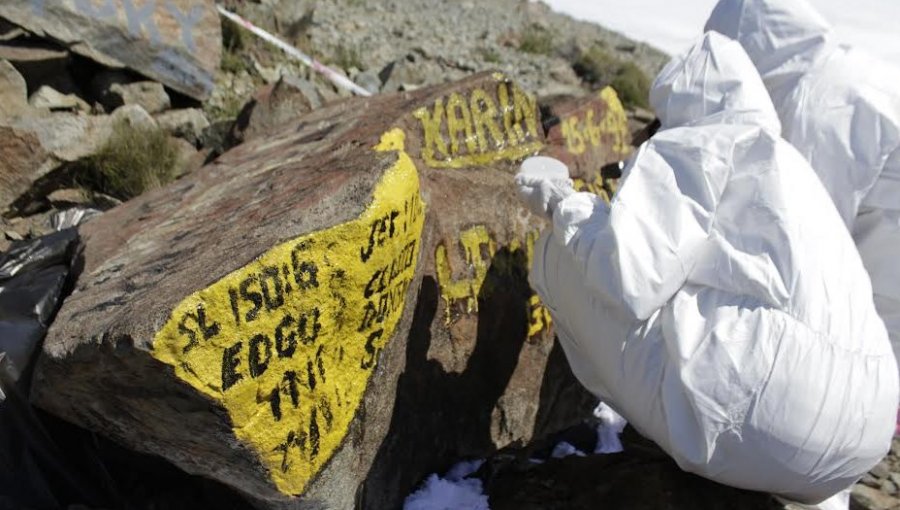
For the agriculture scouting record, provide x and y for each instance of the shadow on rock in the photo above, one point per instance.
(441, 417)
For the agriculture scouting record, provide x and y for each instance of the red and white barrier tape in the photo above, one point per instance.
(337, 78)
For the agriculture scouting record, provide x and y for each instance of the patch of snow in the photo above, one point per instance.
(611, 425)
(452, 492)
(564, 449)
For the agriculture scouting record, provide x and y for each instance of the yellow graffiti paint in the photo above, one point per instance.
(615, 122)
(477, 128)
(287, 344)
(612, 130)
(596, 185)
(479, 249)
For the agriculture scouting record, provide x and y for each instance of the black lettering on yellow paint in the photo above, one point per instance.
(199, 319)
(313, 435)
(254, 297)
(285, 345)
(230, 362)
(306, 272)
(259, 359)
(272, 289)
(308, 326)
(371, 350)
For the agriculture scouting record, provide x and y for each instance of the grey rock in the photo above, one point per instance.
(888, 487)
(402, 74)
(115, 88)
(895, 477)
(13, 91)
(368, 80)
(68, 196)
(177, 42)
(132, 114)
(881, 470)
(51, 99)
(870, 480)
(188, 123)
(273, 105)
(872, 499)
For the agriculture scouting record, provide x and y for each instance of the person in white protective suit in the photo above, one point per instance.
(841, 109)
(718, 303)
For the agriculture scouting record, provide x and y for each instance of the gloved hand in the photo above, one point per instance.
(542, 183)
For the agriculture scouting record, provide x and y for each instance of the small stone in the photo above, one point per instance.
(12, 235)
(368, 80)
(53, 100)
(104, 201)
(895, 477)
(68, 196)
(188, 123)
(134, 115)
(117, 88)
(881, 470)
(870, 480)
(872, 499)
(13, 91)
(888, 487)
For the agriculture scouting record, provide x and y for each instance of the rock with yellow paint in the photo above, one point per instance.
(588, 133)
(322, 317)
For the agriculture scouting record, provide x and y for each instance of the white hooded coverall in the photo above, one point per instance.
(840, 107)
(718, 303)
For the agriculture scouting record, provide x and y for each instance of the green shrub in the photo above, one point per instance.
(632, 85)
(489, 55)
(599, 68)
(537, 40)
(132, 161)
(346, 58)
(233, 47)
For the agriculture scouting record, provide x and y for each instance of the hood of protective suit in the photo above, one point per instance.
(714, 83)
(782, 38)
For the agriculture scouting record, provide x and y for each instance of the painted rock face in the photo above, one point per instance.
(328, 311)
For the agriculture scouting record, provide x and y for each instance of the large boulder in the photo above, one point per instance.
(176, 42)
(324, 315)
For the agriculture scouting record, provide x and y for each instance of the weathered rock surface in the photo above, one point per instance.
(327, 313)
(642, 477)
(13, 91)
(273, 105)
(177, 42)
(188, 123)
(53, 100)
(115, 88)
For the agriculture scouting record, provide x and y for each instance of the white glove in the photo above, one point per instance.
(543, 183)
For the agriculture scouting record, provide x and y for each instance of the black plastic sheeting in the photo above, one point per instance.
(45, 462)
(32, 275)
